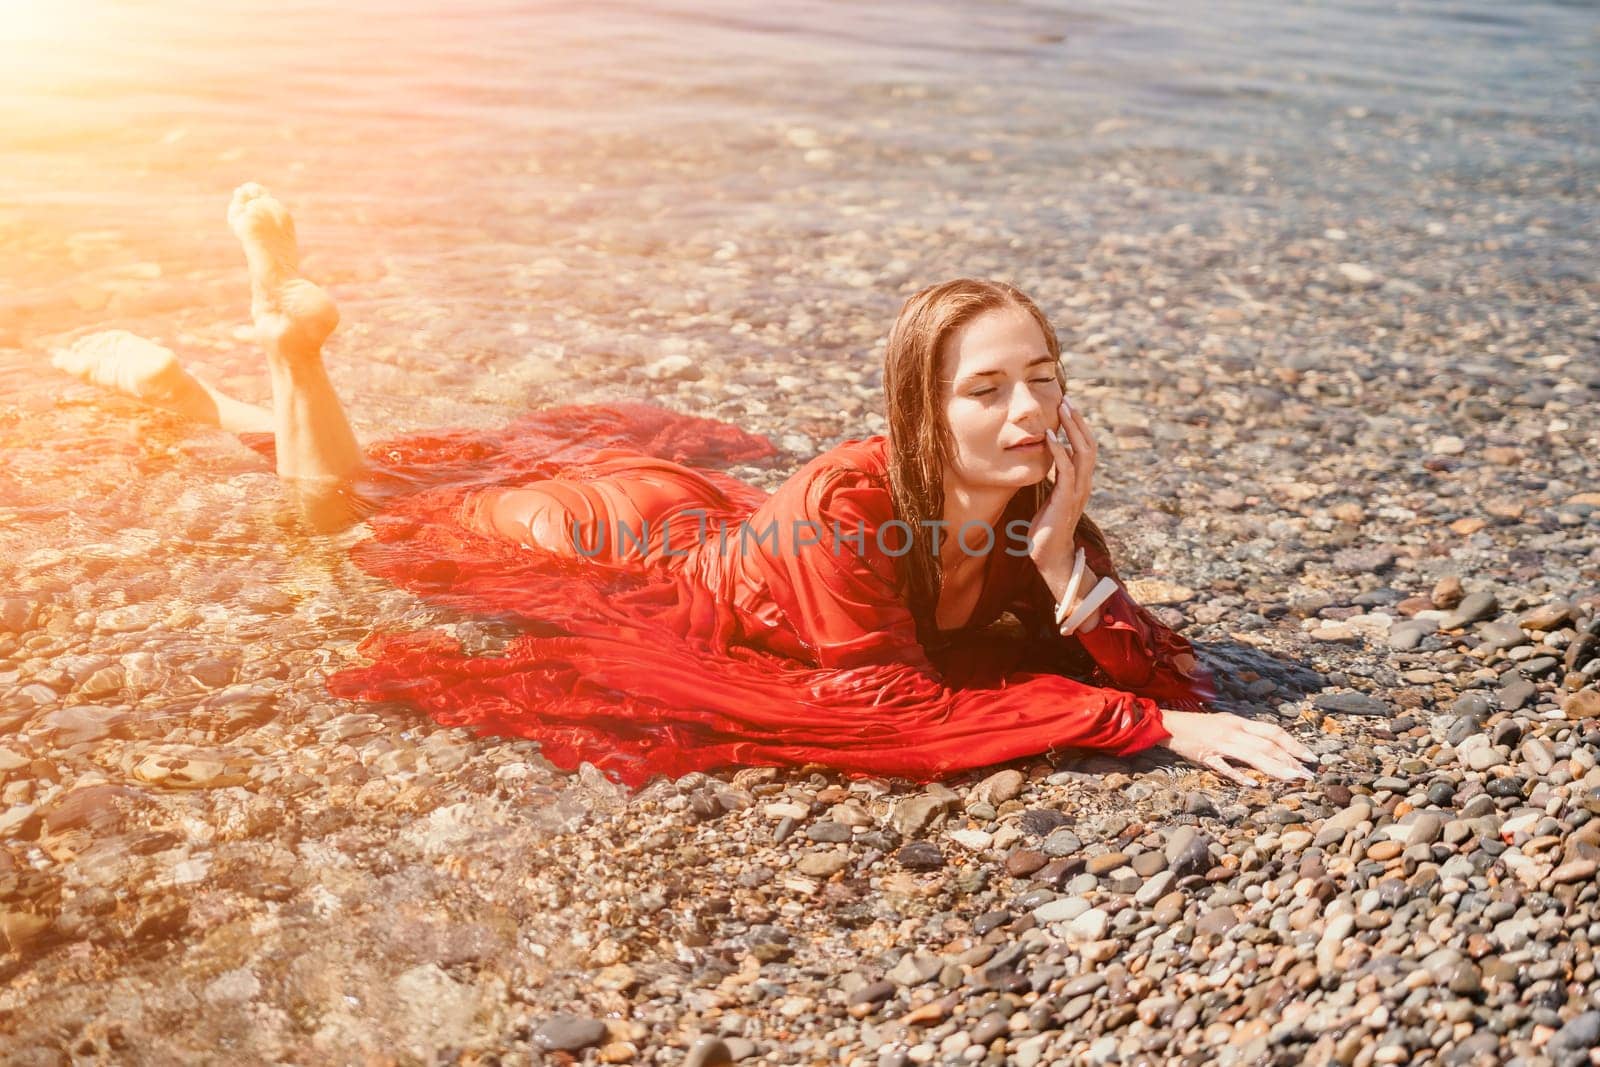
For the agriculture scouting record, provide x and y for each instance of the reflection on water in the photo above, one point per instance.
(519, 203)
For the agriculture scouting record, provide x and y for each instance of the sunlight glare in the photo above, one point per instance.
(29, 29)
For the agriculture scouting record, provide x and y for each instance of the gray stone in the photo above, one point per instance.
(1407, 635)
(915, 968)
(1154, 889)
(1474, 607)
(1537, 755)
(1061, 843)
(1063, 910)
(1040, 822)
(920, 856)
(569, 1033)
(1516, 692)
(1351, 703)
(1498, 636)
(828, 831)
(1194, 857)
(1090, 926)
(991, 1026)
(1578, 1036)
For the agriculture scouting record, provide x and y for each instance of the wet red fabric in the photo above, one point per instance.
(695, 638)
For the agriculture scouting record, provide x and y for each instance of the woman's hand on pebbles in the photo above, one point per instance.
(1211, 739)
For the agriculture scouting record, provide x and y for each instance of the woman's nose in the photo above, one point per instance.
(1026, 410)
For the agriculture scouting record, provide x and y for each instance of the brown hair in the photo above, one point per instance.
(920, 446)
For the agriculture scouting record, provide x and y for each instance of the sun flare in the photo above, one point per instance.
(28, 27)
(35, 20)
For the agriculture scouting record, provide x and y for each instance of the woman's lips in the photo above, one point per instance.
(1036, 446)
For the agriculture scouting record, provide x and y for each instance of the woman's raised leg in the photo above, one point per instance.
(318, 457)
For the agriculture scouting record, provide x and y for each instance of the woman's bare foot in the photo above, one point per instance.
(293, 317)
(148, 372)
(133, 366)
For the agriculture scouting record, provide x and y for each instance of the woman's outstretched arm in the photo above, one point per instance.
(842, 597)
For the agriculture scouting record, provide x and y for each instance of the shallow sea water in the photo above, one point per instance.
(522, 204)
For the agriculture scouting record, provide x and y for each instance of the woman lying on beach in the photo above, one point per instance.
(916, 604)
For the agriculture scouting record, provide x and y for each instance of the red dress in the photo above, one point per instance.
(697, 623)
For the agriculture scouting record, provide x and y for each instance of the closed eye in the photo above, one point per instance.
(987, 391)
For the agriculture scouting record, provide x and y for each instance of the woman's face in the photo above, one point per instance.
(1001, 397)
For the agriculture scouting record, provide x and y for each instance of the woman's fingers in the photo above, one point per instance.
(1265, 754)
(1082, 450)
(1080, 453)
(1282, 767)
(1073, 425)
(1217, 762)
(1261, 751)
(1066, 473)
(1083, 426)
(1278, 768)
(1064, 425)
(1086, 452)
(1213, 740)
(1284, 739)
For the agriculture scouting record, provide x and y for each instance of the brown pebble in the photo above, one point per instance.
(1584, 704)
(619, 1052)
(1575, 871)
(1147, 864)
(1105, 863)
(1169, 909)
(935, 1011)
(1024, 861)
(1413, 604)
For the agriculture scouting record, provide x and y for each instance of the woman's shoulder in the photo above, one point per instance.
(857, 469)
(857, 455)
(859, 465)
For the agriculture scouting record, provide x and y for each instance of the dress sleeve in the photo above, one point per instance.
(844, 599)
(1131, 647)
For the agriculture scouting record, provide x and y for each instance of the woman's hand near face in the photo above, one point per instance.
(1211, 739)
(1055, 526)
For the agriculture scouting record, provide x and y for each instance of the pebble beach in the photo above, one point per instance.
(1325, 283)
